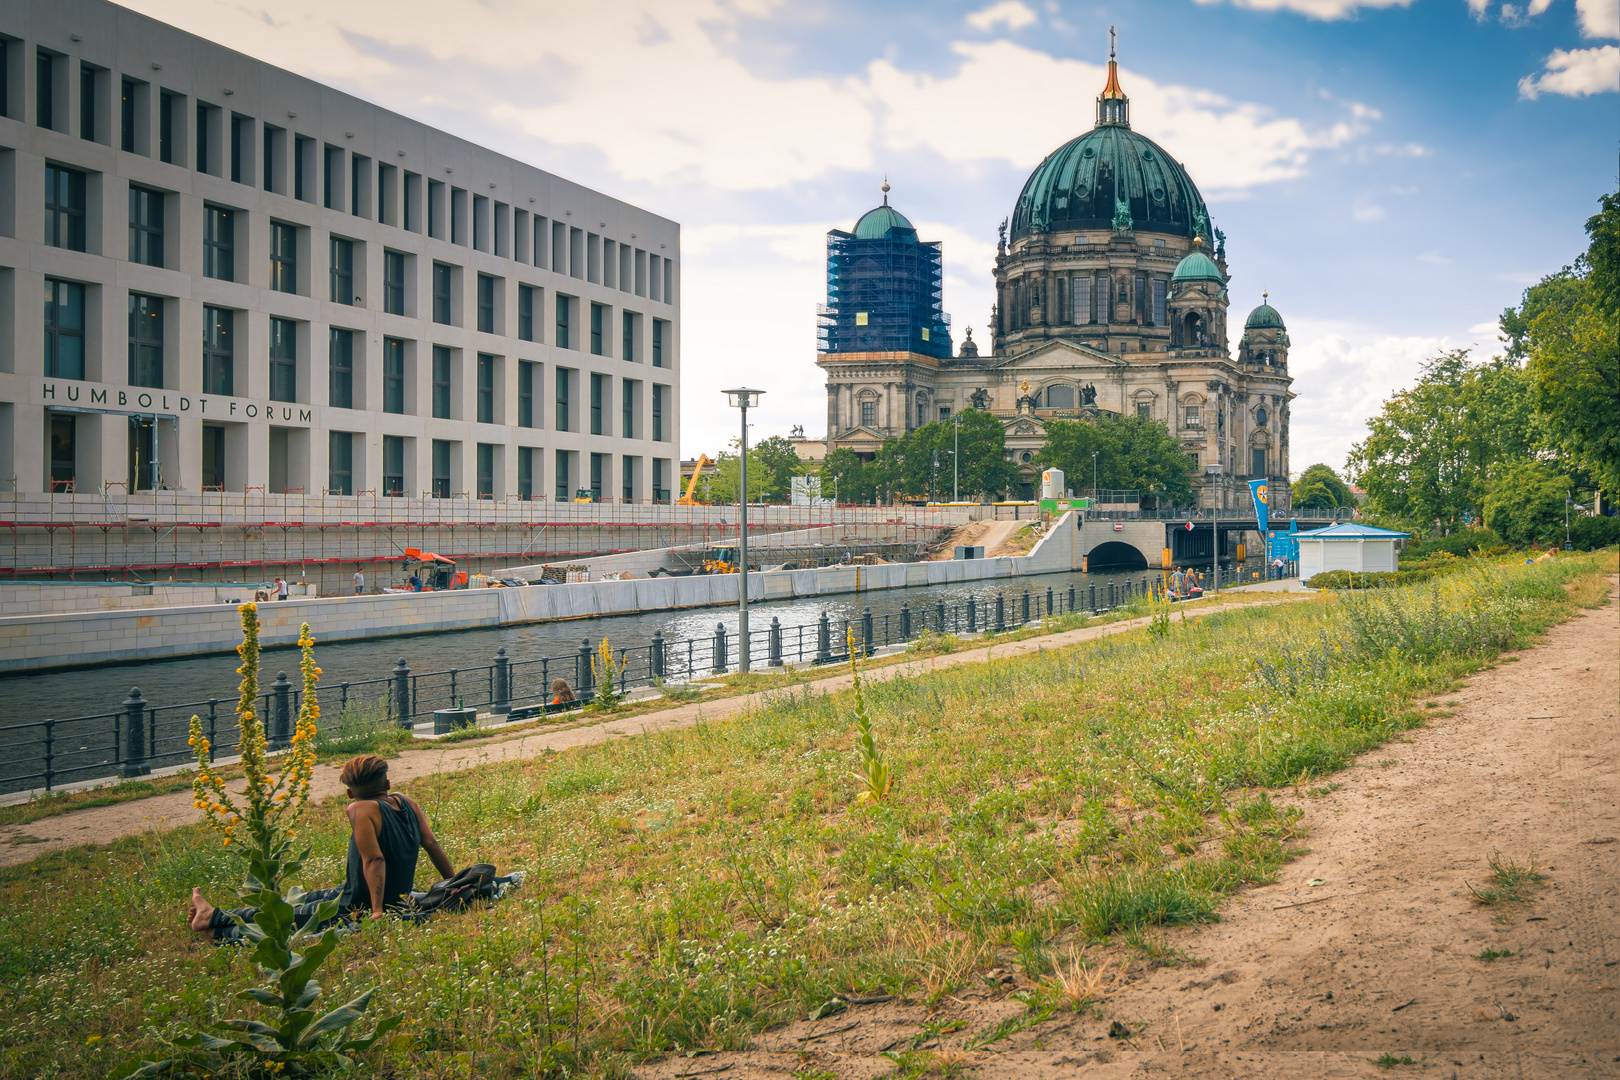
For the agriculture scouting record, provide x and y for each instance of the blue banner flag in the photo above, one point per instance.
(1257, 488)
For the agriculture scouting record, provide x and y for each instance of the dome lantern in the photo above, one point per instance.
(1113, 107)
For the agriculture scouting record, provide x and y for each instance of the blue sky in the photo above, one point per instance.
(1394, 173)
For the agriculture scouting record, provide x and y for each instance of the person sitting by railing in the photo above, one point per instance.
(386, 831)
(562, 693)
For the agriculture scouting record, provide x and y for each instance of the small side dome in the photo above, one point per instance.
(1264, 317)
(1197, 267)
(884, 223)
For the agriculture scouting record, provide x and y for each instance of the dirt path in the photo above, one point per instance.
(1303, 981)
(104, 824)
(988, 534)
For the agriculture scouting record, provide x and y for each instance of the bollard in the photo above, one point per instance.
(402, 694)
(582, 667)
(775, 644)
(905, 621)
(503, 683)
(1024, 611)
(134, 758)
(973, 616)
(1049, 600)
(656, 656)
(866, 632)
(719, 665)
(940, 613)
(280, 733)
(1001, 613)
(823, 640)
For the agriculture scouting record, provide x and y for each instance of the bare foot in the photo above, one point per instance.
(200, 913)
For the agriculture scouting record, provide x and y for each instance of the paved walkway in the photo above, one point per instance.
(102, 825)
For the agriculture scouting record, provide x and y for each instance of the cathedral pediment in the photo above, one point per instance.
(1023, 427)
(1059, 354)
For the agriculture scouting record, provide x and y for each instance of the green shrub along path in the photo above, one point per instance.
(689, 888)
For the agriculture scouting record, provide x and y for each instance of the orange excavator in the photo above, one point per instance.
(690, 499)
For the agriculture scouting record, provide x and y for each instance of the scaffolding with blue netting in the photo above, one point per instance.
(884, 294)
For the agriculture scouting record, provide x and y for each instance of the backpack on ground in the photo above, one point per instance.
(477, 882)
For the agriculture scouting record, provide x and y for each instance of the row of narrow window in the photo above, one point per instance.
(1084, 299)
(443, 212)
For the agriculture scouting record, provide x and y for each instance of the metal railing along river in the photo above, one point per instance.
(137, 735)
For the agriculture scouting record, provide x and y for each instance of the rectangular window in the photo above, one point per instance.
(627, 409)
(1082, 299)
(525, 320)
(600, 463)
(598, 391)
(269, 155)
(1144, 410)
(658, 413)
(64, 329)
(219, 243)
(658, 342)
(597, 314)
(1257, 462)
(359, 169)
(340, 463)
(441, 293)
(145, 226)
(87, 102)
(143, 476)
(393, 376)
(332, 178)
(340, 358)
(1158, 302)
(283, 257)
(283, 360)
(1139, 299)
(486, 388)
(660, 493)
(213, 457)
(64, 429)
(441, 382)
(441, 469)
(628, 346)
(204, 151)
(394, 282)
(486, 470)
(219, 353)
(525, 472)
(562, 398)
(435, 209)
(411, 200)
(526, 371)
(944, 413)
(562, 322)
(627, 479)
(869, 413)
(241, 143)
(44, 89)
(145, 341)
(343, 271)
(64, 208)
(302, 149)
(1192, 416)
(168, 106)
(393, 471)
(563, 494)
(486, 304)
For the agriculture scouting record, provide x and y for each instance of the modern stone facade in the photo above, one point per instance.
(1111, 297)
(218, 275)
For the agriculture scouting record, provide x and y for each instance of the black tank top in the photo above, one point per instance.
(400, 838)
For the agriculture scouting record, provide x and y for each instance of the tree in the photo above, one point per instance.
(1429, 452)
(1320, 488)
(1132, 452)
(908, 462)
(1526, 502)
(845, 476)
(772, 465)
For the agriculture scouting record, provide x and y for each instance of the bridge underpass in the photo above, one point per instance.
(1141, 543)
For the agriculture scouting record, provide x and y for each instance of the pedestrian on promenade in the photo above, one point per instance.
(359, 582)
(281, 588)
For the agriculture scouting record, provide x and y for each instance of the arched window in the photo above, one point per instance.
(1060, 396)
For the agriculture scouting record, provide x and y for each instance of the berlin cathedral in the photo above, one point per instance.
(1110, 297)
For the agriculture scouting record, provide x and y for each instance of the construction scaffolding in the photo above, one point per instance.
(883, 295)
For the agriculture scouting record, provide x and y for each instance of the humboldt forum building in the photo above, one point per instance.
(1111, 295)
(216, 275)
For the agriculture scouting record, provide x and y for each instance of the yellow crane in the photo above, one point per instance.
(688, 499)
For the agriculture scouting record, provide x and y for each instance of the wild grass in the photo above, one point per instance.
(690, 888)
(1508, 882)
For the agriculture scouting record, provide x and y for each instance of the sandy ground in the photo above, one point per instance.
(103, 824)
(1380, 958)
(989, 534)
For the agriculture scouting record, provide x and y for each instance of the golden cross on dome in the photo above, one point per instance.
(1023, 388)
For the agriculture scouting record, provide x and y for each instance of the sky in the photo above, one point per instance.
(1394, 172)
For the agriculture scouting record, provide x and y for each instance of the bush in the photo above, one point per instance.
(1461, 543)
(1352, 579)
(1590, 533)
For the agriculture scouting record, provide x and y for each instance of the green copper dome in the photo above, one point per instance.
(1088, 181)
(884, 223)
(1265, 317)
(1197, 267)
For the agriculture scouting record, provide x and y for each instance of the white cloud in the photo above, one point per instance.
(1576, 73)
(1327, 10)
(1599, 18)
(1477, 8)
(1009, 13)
(1434, 259)
(1367, 213)
(1227, 146)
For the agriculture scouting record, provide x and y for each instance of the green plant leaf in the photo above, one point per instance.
(263, 997)
(338, 1019)
(384, 1026)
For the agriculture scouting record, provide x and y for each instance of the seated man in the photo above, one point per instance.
(386, 831)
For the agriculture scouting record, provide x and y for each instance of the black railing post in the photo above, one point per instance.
(213, 742)
(503, 682)
(280, 733)
(50, 739)
(1049, 599)
(402, 694)
(939, 610)
(1024, 611)
(656, 656)
(719, 665)
(823, 640)
(905, 621)
(587, 674)
(973, 615)
(1071, 598)
(1001, 613)
(454, 704)
(775, 644)
(1094, 598)
(867, 645)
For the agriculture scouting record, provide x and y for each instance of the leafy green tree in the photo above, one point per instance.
(1526, 502)
(1320, 488)
(1429, 452)
(909, 461)
(772, 465)
(1132, 452)
(845, 476)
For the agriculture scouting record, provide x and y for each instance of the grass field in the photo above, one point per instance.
(690, 888)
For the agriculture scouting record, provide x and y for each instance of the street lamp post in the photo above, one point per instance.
(1215, 524)
(1096, 496)
(742, 398)
(933, 487)
(956, 457)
